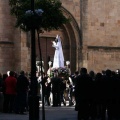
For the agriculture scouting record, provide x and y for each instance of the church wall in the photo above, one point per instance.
(14, 54)
(6, 22)
(101, 26)
(24, 51)
(6, 57)
(73, 6)
(103, 58)
(6, 38)
(104, 23)
(17, 50)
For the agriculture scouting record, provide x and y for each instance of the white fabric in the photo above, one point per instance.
(58, 60)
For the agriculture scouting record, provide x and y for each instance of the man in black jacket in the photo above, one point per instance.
(56, 82)
(22, 90)
(83, 94)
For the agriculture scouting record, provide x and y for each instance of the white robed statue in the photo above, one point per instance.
(58, 60)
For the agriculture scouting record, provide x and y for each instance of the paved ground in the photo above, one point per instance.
(51, 113)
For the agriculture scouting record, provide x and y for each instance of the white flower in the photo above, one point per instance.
(39, 12)
(29, 12)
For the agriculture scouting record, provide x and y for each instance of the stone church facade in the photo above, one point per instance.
(90, 40)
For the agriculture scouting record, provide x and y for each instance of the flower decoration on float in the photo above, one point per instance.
(62, 71)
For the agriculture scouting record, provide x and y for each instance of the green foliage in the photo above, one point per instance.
(52, 17)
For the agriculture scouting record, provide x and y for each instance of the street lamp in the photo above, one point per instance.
(43, 81)
(33, 98)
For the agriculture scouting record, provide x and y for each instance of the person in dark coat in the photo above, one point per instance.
(99, 91)
(72, 87)
(47, 92)
(56, 81)
(62, 89)
(116, 95)
(108, 95)
(83, 94)
(22, 90)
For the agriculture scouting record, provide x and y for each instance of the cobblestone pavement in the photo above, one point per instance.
(51, 113)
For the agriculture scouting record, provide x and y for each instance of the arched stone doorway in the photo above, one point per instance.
(71, 42)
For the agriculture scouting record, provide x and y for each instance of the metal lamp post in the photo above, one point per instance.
(33, 98)
(43, 82)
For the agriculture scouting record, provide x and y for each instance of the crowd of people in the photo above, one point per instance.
(98, 95)
(16, 91)
(94, 95)
(57, 90)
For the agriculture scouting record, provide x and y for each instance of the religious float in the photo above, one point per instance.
(58, 61)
